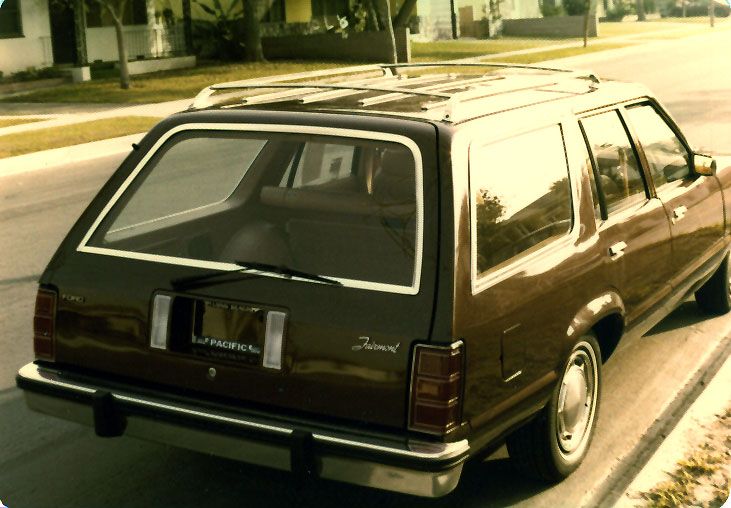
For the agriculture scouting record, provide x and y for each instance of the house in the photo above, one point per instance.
(40, 33)
(25, 35)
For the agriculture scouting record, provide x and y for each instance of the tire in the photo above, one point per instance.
(551, 446)
(714, 297)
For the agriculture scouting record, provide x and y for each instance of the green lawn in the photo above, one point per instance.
(448, 50)
(560, 53)
(7, 122)
(165, 86)
(67, 135)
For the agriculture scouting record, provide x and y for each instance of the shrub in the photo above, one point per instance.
(616, 13)
(548, 10)
(574, 7)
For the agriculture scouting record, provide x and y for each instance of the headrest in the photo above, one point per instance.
(395, 181)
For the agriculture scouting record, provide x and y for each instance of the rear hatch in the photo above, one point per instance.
(286, 268)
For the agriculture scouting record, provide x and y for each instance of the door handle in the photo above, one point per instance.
(616, 251)
(679, 213)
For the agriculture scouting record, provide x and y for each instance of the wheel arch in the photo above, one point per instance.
(604, 316)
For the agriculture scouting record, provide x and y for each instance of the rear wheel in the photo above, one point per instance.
(552, 446)
(714, 297)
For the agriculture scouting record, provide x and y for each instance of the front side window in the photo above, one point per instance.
(521, 196)
(666, 155)
(619, 175)
(340, 207)
(10, 24)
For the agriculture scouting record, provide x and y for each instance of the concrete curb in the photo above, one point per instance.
(680, 442)
(59, 156)
(618, 481)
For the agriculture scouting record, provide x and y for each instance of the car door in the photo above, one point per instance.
(634, 231)
(692, 202)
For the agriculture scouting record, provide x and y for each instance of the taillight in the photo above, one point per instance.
(436, 388)
(44, 322)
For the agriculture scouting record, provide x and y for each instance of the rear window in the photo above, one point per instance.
(521, 196)
(343, 207)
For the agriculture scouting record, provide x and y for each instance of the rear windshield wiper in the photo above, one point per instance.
(286, 271)
(218, 277)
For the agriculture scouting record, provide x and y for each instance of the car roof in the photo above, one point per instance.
(427, 91)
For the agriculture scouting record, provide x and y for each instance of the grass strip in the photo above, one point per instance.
(167, 85)
(74, 134)
(9, 122)
(561, 53)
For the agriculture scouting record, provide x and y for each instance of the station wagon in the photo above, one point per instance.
(378, 276)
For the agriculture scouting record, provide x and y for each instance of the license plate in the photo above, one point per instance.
(228, 331)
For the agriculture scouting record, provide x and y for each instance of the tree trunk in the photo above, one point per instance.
(712, 12)
(587, 13)
(641, 10)
(404, 13)
(254, 51)
(121, 46)
(372, 24)
(684, 6)
(385, 8)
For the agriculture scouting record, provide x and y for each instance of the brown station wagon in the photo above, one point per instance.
(376, 277)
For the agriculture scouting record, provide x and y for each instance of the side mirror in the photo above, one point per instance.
(704, 165)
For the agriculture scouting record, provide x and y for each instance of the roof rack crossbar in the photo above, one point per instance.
(497, 65)
(336, 94)
(328, 86)
(460, 98)
(203, 99)
(380, 99)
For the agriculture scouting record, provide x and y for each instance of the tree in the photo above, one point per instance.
(115, 8)
(641, 10)
(404, 13)
(587, 13)
(254, 51)
(385, 14)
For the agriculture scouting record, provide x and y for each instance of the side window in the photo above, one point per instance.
(320, 165)
(619, 174)
(666, 155)
(521, 194)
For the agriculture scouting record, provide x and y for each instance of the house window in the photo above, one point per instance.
(135, 13)
(10, 25)
(275, 13)
(330, 7)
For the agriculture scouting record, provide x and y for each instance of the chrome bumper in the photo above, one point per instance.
(418, 468)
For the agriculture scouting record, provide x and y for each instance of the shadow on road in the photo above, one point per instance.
(686, 315)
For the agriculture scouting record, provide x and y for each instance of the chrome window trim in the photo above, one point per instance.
(413, 289)
(492, 276)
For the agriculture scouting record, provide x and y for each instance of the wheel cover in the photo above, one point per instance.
(577, 401)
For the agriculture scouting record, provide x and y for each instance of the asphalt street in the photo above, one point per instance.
(50, 463)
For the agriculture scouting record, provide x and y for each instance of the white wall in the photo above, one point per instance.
(144, 41)
(101, 42)
(34, 49)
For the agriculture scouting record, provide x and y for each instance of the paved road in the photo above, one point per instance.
(49, 463)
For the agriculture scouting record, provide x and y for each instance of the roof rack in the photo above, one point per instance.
(496, 65)
(447, 93)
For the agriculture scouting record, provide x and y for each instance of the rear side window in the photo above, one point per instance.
(521, 196)
(618, 172)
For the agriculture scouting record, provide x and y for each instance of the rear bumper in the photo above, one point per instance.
(418, 468)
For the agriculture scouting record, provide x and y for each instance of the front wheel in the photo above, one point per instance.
(552, 446)
(714, 297)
